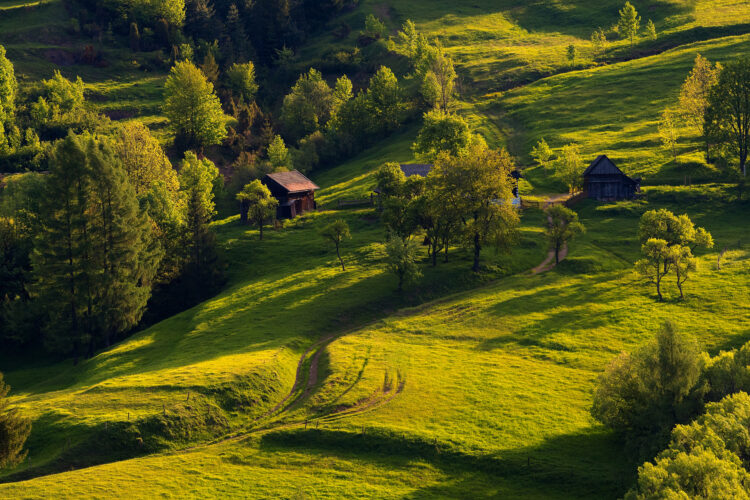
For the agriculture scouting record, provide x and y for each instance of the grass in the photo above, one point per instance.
(465, 386)
(482, 393)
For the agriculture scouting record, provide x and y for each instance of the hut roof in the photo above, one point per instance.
(602, 166)
(420, 169)
(293, 181)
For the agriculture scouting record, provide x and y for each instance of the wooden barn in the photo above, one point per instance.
(295, 192)
(603, 181)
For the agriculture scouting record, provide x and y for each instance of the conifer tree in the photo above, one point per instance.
(94, 259)
(629, 23)
(14, 430)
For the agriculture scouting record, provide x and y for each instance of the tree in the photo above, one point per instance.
(390, 180)
(438, 87)
(439, 219)
(192, 107)
(642, 395)
(209, 67)
(259, 203)
(728, 113)
(563, 226)
(599, 41)
(668, 131)
(342, 93)
(442, 132)
(542, 154)
(695, 92)
(308, 106)
(401, 258)
(651, 30)
(374, 27)
(278, 154)
(629, 23)
(134, 38)
(241, 79)
(8, 89)
(384, 101)
(656, 263)
(14, 430)
(197, 179)
(95, 258)
(569, 167)
(571, 53)
(684, 264)
(675, 230)
(705, 459)
(336, 232)
(480, 189)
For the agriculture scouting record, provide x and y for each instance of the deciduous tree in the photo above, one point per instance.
(542, 154)
(192, 107)
(257, 203)
(401, 258)
(728, 113)
(695, 92)
(569, 167)
(668, 131)
(562, 226)
(308, 106)
(336, 232)
(442, 132)
(241, 79)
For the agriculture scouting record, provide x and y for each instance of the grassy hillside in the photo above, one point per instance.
(299, 380)
(484, 393)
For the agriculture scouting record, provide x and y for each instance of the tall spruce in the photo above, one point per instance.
(94, 258)
(14, 430)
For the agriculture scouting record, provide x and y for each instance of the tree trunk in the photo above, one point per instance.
(477, 251)
(338, 254)
(658, 289)
(243, 213)
(557, 253)
(445, 247)
(260, 226)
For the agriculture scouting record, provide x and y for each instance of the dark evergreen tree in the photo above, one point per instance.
(94, 259)
(14, 430)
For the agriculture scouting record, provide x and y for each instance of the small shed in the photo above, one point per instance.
(603, 181)
(295, 192)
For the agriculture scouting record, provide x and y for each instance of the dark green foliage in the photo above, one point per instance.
(644, 394)
(94, 258)
(728, 114)
(14, 430)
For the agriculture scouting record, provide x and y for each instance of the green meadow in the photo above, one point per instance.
(299, 380)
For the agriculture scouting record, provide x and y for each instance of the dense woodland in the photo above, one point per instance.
(112, 228)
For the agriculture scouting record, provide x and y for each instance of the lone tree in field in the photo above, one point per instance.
(728, 113)
(651, 30)
(599, 41)
(667, 242)
(656, 262)
(401, 258)
(257, 204)
(629, 23)
(193, 109)
(336, 232)
(14, 430)
(571, 53)
(563, 226)
(694, 95)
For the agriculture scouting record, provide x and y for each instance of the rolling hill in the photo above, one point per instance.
(302, 381)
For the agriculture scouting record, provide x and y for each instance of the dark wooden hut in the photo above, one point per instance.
(295, 192)
(603, 181)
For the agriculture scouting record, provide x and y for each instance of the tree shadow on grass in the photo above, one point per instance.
(584, 465)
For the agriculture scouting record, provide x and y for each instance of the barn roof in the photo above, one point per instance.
(293, 181)
(602, 166)
(420, 169)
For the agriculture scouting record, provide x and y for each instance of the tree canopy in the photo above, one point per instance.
(193, 109)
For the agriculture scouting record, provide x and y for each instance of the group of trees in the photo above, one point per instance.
(667, 244)
(670, 393)
(465, 200)
(567, 166)
(714, 102)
